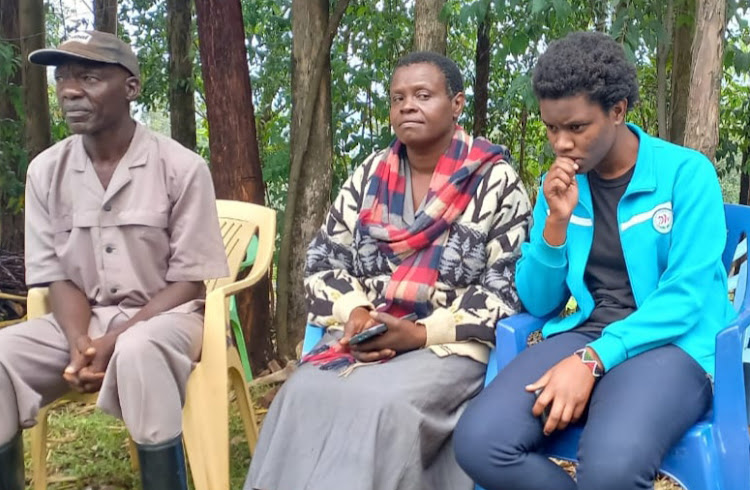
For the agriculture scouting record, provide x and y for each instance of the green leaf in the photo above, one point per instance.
(562, 9)
(629, 52)
(538, 6)
(742, 61)
(465, 14)
(519, 43)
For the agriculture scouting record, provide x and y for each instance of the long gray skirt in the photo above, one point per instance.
(384, 427)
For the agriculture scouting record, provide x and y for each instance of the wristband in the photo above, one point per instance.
(590, 362)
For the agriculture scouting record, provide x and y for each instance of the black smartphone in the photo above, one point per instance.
(545, 415)
(369, 333)
(378, 329)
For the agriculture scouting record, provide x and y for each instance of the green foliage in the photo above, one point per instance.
(268, 29)
(371, 38)
(733, 153)
(13, 157)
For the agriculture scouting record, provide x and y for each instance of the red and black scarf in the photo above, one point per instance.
(418, 248)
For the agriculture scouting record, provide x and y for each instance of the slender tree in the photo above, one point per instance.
(310, 173)
(481, 85)
(430, 33)
(11, 221)
(181, 86)
(702, 124)
(10, 34)
(684, 27)
(105, 16)
(745, 177)
(37, 123)
(235, 161)
(662, 56)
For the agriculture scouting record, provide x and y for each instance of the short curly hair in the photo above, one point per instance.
(454, 82)
(590, 63)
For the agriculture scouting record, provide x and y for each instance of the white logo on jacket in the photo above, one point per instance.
(662, 220)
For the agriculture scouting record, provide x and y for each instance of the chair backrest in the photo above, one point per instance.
(240, 221)
(735, 251)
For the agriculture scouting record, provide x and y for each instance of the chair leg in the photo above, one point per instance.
(133, 451)
(244, 402)
(39, 450)
(205, 427)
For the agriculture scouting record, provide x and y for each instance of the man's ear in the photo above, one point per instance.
(132, 88)
(459, 100)
(619, 111)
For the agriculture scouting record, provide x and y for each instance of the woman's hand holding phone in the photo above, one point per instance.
(359, 319)
(403, 335)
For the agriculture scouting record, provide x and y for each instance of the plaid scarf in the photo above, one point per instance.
(417, 248)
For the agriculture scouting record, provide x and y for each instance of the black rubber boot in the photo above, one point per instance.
(163, 465)
(11, 464)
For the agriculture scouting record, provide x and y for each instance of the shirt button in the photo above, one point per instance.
(109, 249)
(113, 290)
(108, 207)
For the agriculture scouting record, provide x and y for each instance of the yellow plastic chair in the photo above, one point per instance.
(205, 422)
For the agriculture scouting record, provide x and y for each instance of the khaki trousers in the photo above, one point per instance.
(144, 384)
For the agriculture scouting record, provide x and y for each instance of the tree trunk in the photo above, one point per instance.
(684, 26)
(235, 160)
(481, 88)
(662, 56)
(37, 124)
(702, 125)
(745, 178)
(309, 24)
(9, 32)
(430, 34)
(312, 36)
(11, 220)
(105, 16)
(181, 86)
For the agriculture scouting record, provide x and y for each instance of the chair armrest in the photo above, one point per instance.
(215, 330)
(313, 334)
(512, 333)
(729, 403)
(37, 302)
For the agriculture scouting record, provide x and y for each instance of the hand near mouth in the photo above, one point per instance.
(561, 192)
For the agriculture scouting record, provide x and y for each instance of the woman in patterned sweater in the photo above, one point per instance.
(431, 225)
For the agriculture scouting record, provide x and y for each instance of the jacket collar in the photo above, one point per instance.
(644, 176)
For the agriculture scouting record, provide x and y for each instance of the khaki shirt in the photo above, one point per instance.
(156, 222)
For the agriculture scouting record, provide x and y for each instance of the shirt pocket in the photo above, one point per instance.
(150, 227)
(61, 228)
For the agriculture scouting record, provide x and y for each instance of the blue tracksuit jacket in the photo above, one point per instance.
(672, 230)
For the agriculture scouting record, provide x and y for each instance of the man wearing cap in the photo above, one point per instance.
(121, 225)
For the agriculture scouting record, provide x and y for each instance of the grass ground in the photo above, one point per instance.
(89, 451)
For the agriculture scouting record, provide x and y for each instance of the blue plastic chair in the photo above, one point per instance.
(715, 453)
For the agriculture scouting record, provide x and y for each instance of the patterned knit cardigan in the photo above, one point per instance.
(476, 273)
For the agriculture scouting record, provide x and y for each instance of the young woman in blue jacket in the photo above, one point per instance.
(633, 228)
